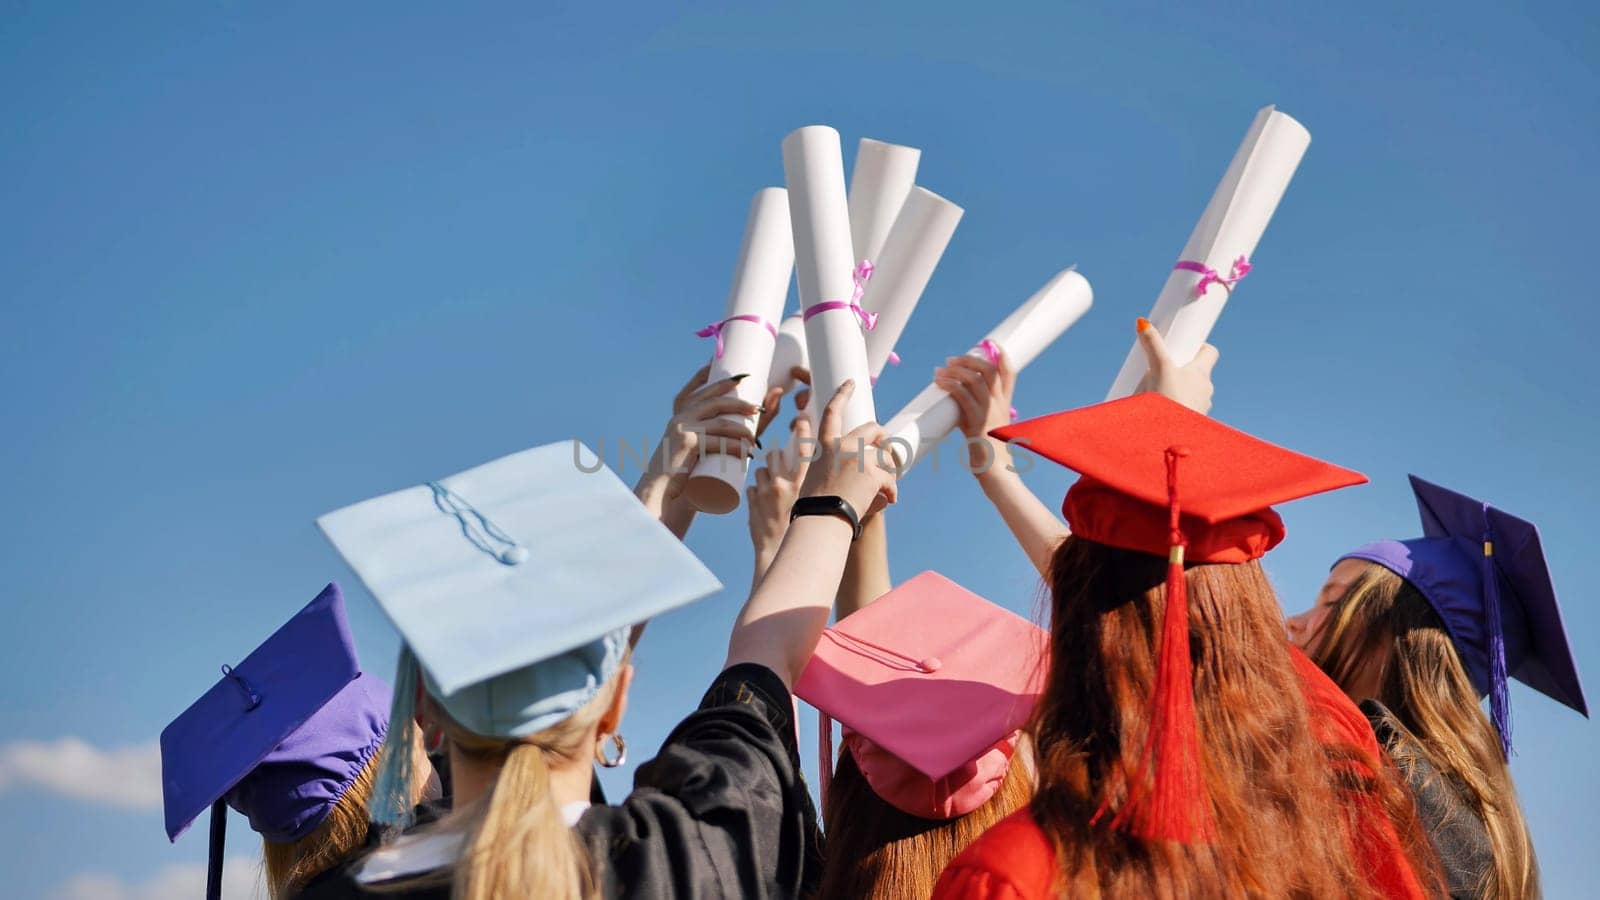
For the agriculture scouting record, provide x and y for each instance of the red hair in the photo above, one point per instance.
(1285, 821)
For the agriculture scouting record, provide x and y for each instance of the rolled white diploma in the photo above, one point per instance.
(824, 270)
(1033, 326)
(790, 352)
(902, 269)
(879, 183)
(745, 338)
(1228, 231)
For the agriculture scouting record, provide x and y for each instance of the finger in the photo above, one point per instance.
(694, 384)
(868, 434)
(1205, 360)
(711, 407)
(800, 374)
(833, 413)
(714, 389)
(1008, 372)
(1155, 347)
(763, 479)
(977, 382)
(985, 369)
(798, 463)
(801, 398)
(734, 432)
(770, 405)
(990, 372)
(971, 410)
(986, 372)
(888, 493)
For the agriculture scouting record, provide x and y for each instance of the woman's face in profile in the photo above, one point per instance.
(1304, 627)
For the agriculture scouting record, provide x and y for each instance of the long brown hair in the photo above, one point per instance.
(1382, 620)
(877, 850)
(1282, 828)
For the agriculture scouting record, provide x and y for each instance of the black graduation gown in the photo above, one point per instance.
(722, 811)
(1458, 835)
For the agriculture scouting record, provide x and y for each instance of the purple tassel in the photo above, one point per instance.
(1499, 691)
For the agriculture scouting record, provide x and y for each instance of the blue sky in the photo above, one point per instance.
(259, 261)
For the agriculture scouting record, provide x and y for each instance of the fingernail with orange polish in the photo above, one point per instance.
(1142, 324)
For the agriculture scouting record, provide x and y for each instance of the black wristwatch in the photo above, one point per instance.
(830, 505)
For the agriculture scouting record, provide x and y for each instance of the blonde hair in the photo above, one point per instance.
(516, 842)
(1383, 620)
(291, 866)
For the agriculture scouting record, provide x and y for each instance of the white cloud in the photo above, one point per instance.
(122, 777)
(241, 880)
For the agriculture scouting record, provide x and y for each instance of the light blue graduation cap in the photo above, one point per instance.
(513, 585)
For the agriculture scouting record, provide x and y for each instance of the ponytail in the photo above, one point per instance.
(521, 847)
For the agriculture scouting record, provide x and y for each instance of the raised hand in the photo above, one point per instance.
(852, 465)
(776, 487)
(1188, 384)
(982, 391)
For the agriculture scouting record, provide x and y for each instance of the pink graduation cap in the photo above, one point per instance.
(931, 684)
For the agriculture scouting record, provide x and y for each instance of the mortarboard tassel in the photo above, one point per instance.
(1499, 690)
(219, 837)
(390, 804)
(1166, 798)
(825, 757)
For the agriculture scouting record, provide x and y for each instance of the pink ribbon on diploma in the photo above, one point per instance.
(715, 328)
(861, 275)
(1210, 276)
(991, 351)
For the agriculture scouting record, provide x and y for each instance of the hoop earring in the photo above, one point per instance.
(622, 752)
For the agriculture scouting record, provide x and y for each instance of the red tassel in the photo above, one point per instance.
(1167, 798)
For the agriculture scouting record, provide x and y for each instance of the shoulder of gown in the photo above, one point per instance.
(1335, 719)
(1458, 835)
(1013, 860)
(1342, 728)
(722, 811)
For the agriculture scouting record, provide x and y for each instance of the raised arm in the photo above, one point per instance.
(866, 569)
(695, 421)
(982, 390)
(769, 499)
(781, 622)
(771, 495)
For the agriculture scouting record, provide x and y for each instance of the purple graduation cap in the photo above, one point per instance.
(1483, 570)
(279, 738)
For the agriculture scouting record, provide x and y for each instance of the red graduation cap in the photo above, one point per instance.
(1162, 479)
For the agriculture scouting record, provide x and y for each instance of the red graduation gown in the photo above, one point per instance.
(1015, 861)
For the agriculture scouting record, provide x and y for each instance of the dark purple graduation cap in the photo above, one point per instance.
(280, 737)
(1484, 572)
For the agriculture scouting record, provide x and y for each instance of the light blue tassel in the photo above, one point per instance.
(390, 803)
